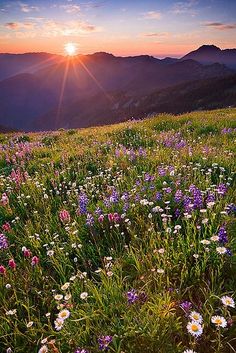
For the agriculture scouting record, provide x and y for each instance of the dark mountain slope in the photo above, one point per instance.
(23, 97)
(102, 109)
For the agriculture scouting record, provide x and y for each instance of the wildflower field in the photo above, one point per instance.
(120, 238)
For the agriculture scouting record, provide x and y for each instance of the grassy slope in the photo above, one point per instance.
(146, 163)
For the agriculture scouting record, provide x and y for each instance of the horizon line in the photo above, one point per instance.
(163, 56)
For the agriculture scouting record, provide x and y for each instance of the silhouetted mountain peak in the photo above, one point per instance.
(208, 48)
(102, 55)
(209, 54)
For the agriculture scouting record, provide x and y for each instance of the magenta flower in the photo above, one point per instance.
(27, 253)
(64, 216)
(110, 217)
(2, 270)
(6, 227)
(34, 261)
(12, 264)
(4, 199)
(101, 218)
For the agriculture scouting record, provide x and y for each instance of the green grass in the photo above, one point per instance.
(153, 245)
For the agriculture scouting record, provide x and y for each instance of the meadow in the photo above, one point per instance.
(120, 238)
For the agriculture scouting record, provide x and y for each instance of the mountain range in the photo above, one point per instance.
(41, 91)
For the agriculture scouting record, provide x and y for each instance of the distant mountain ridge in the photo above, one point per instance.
(14, 64)
(209, 54)
(40, 91)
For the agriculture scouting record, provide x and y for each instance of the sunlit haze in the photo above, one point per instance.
(70, 49)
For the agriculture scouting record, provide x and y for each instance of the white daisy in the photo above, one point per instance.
(65, 286)
(30, 324)
(214, 238)
(228, 301)
(43, 349)
(58, 296)
(219, 321)
(84, 295)
(194, 328)
(205, 242)
(221, 250)
(160, 270)
(58, 324)
(194, 316)
(64, 314)
(189, 351)
(67, 296)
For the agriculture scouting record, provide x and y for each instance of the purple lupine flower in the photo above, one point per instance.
(186, 306)
(161, 171)
(132, 296)
(98, 211)
(126, 207)
(107, 203)
(137, 198)
(83, 201)
(210, 198)
(104, 342)
(231, 208)
(192, 187)
(180, 144)
(3, 242)
(168, 190)
(81, 350)
(89, 220)
(177, 213)
(229, 252)
(125, 196)
(178, 196)
(223, 238)
(187, 203)
(148, 177)
(197, 198)
(158, 196)
(114, 198)
(222, 189)
(141, 152)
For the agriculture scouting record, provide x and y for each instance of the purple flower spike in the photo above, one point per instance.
(104, 342)
(132, 296)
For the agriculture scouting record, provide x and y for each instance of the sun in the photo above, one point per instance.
(70, 49)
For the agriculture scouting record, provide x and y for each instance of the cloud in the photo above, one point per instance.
(71, 8)
(19, 25)
(220, 26)
(26, 8)
(160, 34)
(94, 5)
(53, 28)
(12, 25)
(152, 15)
(185, 7)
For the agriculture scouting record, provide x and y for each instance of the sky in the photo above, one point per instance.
(154, 27)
